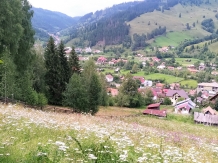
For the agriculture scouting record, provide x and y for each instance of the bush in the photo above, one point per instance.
(167, 101)
(42, 100)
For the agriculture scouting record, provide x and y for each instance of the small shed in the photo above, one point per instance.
(159, 113)
(210, 111)
(154, 106)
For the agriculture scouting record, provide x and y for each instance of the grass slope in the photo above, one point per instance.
(168, 78)
(183, 61)
(213, 47)
(35, 136)
(170, 19)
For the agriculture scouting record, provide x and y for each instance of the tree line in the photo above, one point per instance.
(37, 77)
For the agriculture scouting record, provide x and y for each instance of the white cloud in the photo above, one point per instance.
(75, 7)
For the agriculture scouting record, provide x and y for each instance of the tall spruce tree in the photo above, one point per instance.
(74, 62)
(64, 67)
(53, 74)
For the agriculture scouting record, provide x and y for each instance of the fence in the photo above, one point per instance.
(205, 118)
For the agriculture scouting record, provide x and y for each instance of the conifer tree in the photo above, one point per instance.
(74, 62)
(53, 74)
(64, 67)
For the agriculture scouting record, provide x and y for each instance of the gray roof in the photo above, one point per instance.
(181, 93)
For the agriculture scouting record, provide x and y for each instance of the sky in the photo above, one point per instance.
(75, 7)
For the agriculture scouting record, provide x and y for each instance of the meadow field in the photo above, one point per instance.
(183, 61)
(189, 83)
(168, 78)
(175, 26)
(33, 136)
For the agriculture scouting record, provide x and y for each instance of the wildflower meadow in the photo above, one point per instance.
(33, 136)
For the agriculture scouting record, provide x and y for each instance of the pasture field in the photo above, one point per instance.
(29, 135)
(170, 19)
(189, 83)
(171, 39)
(184, 62)
(213, 47)
(168, 78)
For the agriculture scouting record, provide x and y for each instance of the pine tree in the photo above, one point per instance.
(53, 74)
(74, 62)
(64, 67)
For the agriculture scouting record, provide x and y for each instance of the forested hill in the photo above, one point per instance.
(115, 29)
(45, 21)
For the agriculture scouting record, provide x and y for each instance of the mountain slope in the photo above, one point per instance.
(51, 21)
(145, 19)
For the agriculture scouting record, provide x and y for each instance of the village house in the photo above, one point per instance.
(174, 95)
(109, 78)
(155, 59)
(97, 51)
(101, 60)
(185, 106)
(141, 79)
(201, 67)
(88, 50)
(214, 73)
(113, 92)
(161, 67)
(160, 85)
(163, 49)
(175, 86)
(83, 58)
(170, 68)
(207, 87)
(209, 111)
(193, 70)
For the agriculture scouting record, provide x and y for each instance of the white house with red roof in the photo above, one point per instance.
(109, 78)
(184, 107)
(101, 60)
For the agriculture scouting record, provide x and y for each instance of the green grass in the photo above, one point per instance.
(171, 38)
(183, 61)
(170, 19)
(213, 47)
(168, 78)
(189, 83)
(32, 136)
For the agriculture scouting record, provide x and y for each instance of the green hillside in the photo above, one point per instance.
(214, 47)
(176, 26)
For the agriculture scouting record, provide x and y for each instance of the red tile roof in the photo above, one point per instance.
(159, 113)
(154, 105)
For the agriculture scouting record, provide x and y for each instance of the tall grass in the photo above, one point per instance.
(33, 136)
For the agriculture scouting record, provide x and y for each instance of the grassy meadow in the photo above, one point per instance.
(185, 63)
(189, 83)
(176, 27)
(213, 47)
(33, 136)
(168, 78)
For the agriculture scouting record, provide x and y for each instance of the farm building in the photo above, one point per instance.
(154, 106)
(210, 111)
(159, 113)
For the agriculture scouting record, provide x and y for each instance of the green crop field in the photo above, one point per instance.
(168, 78)
(189, 83)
